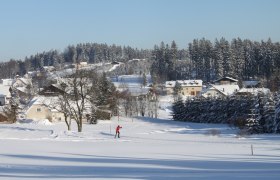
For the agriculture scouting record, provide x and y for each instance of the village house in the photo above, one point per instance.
(222, 87)
(253, 91)
(5, 94)
(23, 87)
(252, 88)
(21, 82)
(48, 68)
(189, 87)
(51, 93)
(51, 90)
(226, 81)
(81, 64)
(44, 108)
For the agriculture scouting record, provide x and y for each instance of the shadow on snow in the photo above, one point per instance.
(137, 168)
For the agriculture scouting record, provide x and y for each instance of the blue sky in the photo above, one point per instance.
(31, 26)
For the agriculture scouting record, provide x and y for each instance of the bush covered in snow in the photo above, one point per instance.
(255, 114)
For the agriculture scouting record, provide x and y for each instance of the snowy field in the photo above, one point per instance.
(147, 149)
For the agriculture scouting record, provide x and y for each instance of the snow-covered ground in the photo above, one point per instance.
(148, 149)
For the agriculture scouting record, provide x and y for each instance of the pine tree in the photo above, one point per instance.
(196, 60)
(208, 60)
(177, 90)
(269, 115)
(144, 80)
(178, 110)
(252, 122)
(218, 62)
(248, 59)
(172, 64)
(12, 109)
(277, 114)
(103, 86)
(226, 54)
(268, 53)
(237, 58)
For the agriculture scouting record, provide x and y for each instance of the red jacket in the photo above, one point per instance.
(118, 128)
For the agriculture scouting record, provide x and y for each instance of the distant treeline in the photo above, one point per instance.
(202, 59)
(89, 52)
(241, 59)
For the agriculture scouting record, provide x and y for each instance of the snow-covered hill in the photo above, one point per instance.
(148, 149)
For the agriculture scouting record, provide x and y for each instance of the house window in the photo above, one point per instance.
(192, 93)
(38, 109)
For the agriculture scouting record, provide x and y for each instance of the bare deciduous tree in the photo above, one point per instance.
(75, 102)
(60, 105)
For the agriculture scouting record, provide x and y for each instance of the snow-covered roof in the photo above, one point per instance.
(67, 81)
(25, 81)
(52, 102)
(255, 91)
(41, 100)
(48, 67)
(83, 63)
(114, 67)
(228, 89)
(228, 78)
(21, 89)
(184, 83)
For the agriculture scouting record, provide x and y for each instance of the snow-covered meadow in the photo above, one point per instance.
(147, 149)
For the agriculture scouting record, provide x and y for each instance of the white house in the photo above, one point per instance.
(189, 87)
(222, 87)
(21, 82)
(5, 94)
(220, 90)
(41, 108)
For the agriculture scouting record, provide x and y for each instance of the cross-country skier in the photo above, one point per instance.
(118, 131)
